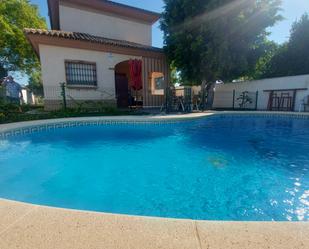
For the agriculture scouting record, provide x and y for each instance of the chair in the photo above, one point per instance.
(188, 107)
(196, 102)
(274, 102)
(306, 104)
(286, 102)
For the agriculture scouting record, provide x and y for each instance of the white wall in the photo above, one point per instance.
(53, 72)
(224, 92)
(28, 97)
(77, 20)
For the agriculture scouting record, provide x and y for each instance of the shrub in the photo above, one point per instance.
(2, 117)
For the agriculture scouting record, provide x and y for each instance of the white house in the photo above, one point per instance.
(89, 48)
(28, 97)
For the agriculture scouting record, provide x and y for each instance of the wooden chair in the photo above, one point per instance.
(274, 102)
(306, 104)
(286, 102)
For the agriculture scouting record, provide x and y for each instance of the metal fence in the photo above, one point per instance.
(63, 96)
(2, 93)
(236, 100)
(245, 100)
(181, 99)
(80, 98)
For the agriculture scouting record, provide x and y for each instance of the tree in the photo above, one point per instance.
(3, 74)
(174, 75)
(35, 83)
(292, 58)
(209, 40)
(16, 53)
(270, 48)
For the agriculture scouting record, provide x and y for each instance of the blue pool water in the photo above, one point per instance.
(218, 168)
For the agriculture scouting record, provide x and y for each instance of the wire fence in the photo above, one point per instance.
(235, 100)
(245, 100)
(181, 99)
(90, 97)
(2, 93)
(86, 98)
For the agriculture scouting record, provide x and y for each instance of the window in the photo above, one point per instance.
(157, 83)
(81, 73)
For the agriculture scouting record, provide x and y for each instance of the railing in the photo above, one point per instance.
(76, 97)
(65, 96)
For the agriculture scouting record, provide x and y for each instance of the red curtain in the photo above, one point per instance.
(136, 74)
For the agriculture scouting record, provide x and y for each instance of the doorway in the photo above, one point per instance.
(125, 93)
(122, 90)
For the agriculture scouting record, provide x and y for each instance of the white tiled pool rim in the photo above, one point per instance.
(27, 127)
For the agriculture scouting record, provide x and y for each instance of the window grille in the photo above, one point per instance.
(81, 73)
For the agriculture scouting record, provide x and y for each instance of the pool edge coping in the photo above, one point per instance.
(34, 225)
(140, 119)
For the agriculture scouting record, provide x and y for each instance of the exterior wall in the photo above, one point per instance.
(28, 97)
(105, 25)
(151, 65)
(224, 92)
(53, 73)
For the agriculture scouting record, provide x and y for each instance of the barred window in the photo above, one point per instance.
(81, 73)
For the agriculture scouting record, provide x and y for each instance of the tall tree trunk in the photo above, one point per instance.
(210, 95)
(204, 93)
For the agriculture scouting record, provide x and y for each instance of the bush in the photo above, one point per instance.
(2, 117)
(15, 113)
(8, 108)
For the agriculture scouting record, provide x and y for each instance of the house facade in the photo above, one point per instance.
(90, 48)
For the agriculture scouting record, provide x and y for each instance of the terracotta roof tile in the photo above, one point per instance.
(89, 38)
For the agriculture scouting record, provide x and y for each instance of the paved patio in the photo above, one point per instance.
(29, 226)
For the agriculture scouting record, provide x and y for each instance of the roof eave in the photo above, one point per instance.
(34, 46)
(37, 39)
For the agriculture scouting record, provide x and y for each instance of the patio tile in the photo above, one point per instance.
(50, 228)
(11, 214)
(254, 235)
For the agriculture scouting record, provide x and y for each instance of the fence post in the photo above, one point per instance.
(256, 99)
(234, 93)
(2, 94)
(167, 96)
(63, 94)
(204, 89)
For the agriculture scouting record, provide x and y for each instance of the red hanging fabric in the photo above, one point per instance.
(132, 80)
(136, 74)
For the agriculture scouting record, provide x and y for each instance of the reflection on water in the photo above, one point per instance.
(218, 160)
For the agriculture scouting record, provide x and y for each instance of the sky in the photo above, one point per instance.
(291, 11)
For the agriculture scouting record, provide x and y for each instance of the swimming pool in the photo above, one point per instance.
(250, 168)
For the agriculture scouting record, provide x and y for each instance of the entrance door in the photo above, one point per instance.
(122, 90)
